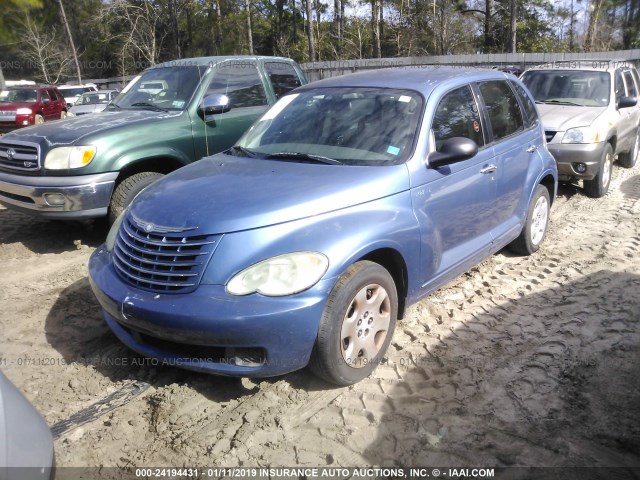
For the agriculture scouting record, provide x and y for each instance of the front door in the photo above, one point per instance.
(241, 82)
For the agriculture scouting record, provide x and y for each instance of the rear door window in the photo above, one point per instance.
(283, 77)
(502, 108)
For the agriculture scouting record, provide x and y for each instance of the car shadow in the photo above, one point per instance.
(40, 235)
(630, 188)
(547, 379)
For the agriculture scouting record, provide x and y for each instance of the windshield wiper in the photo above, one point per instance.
(244, 151)
(560, 102)
(303, 156)
(149, 105)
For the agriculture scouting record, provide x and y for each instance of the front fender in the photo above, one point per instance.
(344, 236)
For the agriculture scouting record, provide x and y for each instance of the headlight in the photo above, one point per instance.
(581, 135)
(282, 275)
(24, 111)
(110, 242)
(62, 158)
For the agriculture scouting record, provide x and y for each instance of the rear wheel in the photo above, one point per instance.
(599, 186)
(357, 324)
(629, 159)
(536, 223)
(127, 190)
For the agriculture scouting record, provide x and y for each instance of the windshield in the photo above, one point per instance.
(356, 126)
(71, 92)
(93, 98)
(582, 88)
(19, 95)
(164, 88)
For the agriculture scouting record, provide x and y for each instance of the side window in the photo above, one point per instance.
(283, 77)
(631, 87)
(527, 103)
(46, 96)
(52, 95)
(240, 82)
(503, 109)
(619, 86)
(457, 116)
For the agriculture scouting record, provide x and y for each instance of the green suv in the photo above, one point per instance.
(94, 165)
(591, 116)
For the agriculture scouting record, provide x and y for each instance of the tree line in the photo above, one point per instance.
(59, 40)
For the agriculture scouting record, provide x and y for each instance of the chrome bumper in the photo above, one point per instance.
(84, 196)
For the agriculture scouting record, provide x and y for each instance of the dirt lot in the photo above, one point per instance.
(522, 361)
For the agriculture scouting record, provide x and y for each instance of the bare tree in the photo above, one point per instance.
(137, 27)
(310, 35)
(512, 29)
(45, 51)
(593, 22)
(375, 28)
(247, 6)
(71, 43)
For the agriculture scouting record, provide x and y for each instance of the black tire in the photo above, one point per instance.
(127, 190)
(335, 357)
(536, 223)
(630, 158)
(599, 186)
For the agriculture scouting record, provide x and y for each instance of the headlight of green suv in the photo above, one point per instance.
(581, 135)
(63, 158)
(282, 275)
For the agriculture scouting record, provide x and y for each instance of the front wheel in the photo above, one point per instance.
(63, 115)
(127, 190)
(599, 186)
(357, 324)
(536, 223)
(39, 119)
(629, 159)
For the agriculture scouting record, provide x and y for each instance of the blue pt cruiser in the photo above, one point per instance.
(350, 199)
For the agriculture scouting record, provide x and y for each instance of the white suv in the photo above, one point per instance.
(72, 92)
(591, 116)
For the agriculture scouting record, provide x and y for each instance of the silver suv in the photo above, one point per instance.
(591, 116)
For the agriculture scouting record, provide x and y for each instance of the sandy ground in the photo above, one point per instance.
(520, 362)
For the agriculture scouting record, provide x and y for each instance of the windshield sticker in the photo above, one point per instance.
(404, 98)
(178, 103)
(280, 105)
(393, 150)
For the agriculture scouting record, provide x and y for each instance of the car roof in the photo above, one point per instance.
(422, 79)
(205, 61)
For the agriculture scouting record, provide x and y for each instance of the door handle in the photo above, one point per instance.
(532, 149)
(489, 169)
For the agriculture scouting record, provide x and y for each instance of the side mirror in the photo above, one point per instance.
(454, 149)
(212, 105)
(626, 102)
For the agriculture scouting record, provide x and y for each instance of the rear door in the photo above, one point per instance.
(513, 146)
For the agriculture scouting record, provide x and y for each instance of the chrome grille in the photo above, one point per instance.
(19, 155)
(161, 259)
(549, 134)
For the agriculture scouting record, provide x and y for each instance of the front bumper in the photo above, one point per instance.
(84, 196)
(569, 154)
(209, 330)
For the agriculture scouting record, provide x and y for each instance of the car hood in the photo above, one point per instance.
(563, 117)
(15, 105)
(223, 194)
(74, 129)
(80, 109)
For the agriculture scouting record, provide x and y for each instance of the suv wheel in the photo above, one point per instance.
(357, 324)
(599, 186)
(536, 223)
(629, 159)
(127, 190)
(38, 119)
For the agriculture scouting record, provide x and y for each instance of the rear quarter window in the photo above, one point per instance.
(529, 107)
